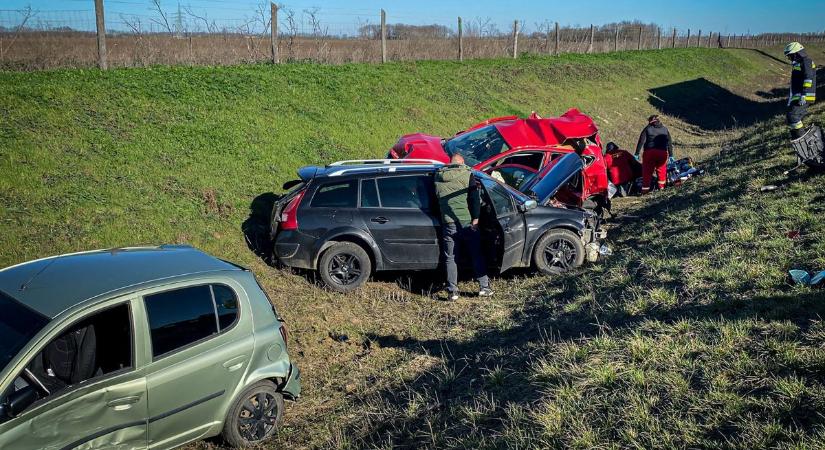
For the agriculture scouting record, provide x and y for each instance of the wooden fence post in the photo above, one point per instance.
(547, 48)
(728, 44)
(515, 39)
(557, 39)
(616, 40)
(590, 44)
(273, 38)
(673, 42)
(460, 41)
(688, 39)
(698, 39)
(101, 35)
(658, 38)
(383, 36)
(710, 38)
(639, 46)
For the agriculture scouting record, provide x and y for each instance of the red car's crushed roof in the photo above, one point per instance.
(535, 130)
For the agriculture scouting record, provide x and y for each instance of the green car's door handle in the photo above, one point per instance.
(120, 404)
(235, 363)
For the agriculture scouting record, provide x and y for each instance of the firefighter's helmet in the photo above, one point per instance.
(793, 47)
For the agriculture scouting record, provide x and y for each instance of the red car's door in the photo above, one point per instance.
(595, 172)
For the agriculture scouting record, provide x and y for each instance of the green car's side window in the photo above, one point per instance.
(95, 347)
(182, 317)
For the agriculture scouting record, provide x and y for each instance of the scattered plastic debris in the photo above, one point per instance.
(803, 277)
(768, 188)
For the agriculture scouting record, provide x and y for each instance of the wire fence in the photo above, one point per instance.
(149, 32)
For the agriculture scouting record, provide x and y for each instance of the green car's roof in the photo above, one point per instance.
(52, 285)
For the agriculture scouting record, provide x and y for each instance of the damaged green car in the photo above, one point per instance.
(148, 347)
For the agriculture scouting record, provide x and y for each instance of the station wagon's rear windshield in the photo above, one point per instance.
(18, 324)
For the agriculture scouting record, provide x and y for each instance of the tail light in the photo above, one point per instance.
(289, 216)
(284, 334)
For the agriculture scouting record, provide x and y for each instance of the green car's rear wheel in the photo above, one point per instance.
(254, 416)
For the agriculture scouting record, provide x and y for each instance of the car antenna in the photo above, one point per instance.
(26, 284)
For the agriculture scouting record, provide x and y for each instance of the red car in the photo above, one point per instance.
(519, 151)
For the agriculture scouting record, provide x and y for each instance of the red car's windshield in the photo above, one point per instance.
(478, 145)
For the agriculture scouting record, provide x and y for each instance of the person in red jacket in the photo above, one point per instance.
(658, 147)
(622, 168)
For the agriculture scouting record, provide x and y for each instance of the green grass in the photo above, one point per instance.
(689, 336)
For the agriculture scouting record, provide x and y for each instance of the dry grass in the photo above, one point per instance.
(52, 50)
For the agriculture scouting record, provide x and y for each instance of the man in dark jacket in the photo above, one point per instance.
(460, 205)
(658, 147)
(803, 87)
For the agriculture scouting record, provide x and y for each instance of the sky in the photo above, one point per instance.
(344, 16)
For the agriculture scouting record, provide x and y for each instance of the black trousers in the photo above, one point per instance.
(456, 238)
(794, 117)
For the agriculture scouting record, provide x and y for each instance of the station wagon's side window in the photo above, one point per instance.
(94, 347)
(184, 316)
(336, 195)
(502, 201)
(406, 192)
(369, 194)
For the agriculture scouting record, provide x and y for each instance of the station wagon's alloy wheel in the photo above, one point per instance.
(254, 416)
(344, 266)
(558, 251)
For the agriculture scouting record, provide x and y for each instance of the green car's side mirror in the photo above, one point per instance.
(528, 205)
(17, 402)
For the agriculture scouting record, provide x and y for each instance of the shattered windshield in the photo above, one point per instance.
(478, 145)
(18, 324)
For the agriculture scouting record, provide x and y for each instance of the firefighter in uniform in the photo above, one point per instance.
(803, 87)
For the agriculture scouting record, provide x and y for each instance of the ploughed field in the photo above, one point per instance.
(688, 336)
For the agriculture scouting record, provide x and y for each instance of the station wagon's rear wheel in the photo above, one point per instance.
(344, 267)
(558, 251)
(254, 416)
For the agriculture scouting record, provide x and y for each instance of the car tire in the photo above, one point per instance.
(255, 415)
(344, 267)
(558, 251)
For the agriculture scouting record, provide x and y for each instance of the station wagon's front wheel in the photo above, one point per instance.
(254, 416)
(558, 251)
(344, 267)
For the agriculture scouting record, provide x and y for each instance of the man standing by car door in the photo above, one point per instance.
(460, 206)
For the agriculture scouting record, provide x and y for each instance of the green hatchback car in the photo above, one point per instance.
(148, 347)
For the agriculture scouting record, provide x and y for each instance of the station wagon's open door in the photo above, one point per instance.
(510, 222)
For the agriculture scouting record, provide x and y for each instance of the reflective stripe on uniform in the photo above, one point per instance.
(796, 125)
(796, 97)
(810, 97)
(807, 83)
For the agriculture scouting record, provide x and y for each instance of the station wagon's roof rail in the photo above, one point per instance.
(351, 162)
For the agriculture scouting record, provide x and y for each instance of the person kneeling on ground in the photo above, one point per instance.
(622, 169)
(658, 147)
(459, 201)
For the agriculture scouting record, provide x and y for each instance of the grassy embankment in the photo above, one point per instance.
(689, 336)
